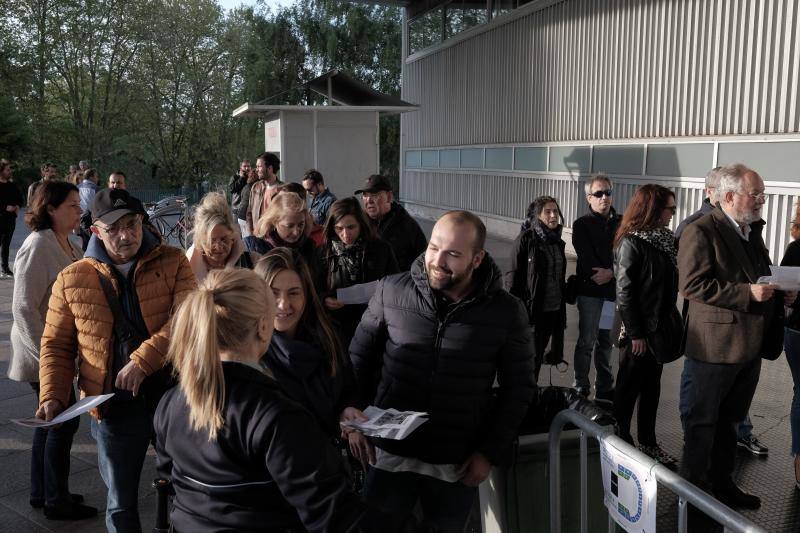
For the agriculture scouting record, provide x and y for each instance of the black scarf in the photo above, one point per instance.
(275, 240)
(347, 259)
(549, 236)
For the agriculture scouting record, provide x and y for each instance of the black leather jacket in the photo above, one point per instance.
(647, 285)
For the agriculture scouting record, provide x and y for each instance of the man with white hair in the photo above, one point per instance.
(731, 323)
(745, 438)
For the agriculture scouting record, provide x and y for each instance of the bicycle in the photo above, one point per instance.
(162, 214)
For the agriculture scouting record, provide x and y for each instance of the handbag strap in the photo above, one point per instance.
(123, 328)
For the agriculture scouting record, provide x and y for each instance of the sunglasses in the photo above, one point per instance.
(600, 194)
(672, 208)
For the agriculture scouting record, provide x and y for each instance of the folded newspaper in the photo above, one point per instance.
(387, 424)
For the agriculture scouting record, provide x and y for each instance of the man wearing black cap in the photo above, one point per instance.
(123, 290)
(392, 221)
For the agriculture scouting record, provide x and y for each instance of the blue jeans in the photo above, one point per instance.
(122, 441)
(50, 459)
(444, 505)
(791, 343)
(591, 338)
(743, 431)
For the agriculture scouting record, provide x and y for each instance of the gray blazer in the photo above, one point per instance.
(38, 262)
(723, 325)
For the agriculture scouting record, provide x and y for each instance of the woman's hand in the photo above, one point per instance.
(362, 449)
(638, 346)
(333, 304)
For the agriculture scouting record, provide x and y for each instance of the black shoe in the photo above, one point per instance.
(38, 503)
(70, 511)
(582, 391)
(734, 497)
(753, 445)
(7, 273)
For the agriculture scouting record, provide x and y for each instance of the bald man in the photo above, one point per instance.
(454, 329)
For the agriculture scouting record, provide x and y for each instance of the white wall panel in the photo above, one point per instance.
(613, 69)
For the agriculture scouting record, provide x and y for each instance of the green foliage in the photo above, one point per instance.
(149, 85)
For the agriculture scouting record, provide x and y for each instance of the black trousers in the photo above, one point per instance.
(638, 378)
(6, 232)
(717, 399)
(544, 329)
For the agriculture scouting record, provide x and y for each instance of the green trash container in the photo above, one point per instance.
(516, 499)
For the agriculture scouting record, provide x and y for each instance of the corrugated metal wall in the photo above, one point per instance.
(613, 69)
(590, 70)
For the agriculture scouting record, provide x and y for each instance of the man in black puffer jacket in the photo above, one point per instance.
(438, 336)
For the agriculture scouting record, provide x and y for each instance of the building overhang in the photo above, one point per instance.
(264, 111)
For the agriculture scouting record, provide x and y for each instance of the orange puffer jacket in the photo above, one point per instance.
(80, 322)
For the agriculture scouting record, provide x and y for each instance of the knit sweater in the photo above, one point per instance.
(38, 262)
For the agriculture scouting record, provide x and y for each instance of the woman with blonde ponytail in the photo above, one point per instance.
(240, 454)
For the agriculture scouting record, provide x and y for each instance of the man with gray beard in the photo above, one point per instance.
(730, 324)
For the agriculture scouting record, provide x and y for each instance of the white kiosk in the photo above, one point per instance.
(340, 139)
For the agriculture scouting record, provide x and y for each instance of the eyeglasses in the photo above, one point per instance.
(600, 194)
(757, 196)
(223, 241)
(117, 228)
(372, 195)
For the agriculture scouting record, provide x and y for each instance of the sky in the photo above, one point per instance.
(230, 4)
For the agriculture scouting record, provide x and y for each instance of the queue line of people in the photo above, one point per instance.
(434, 338)
(729, 321)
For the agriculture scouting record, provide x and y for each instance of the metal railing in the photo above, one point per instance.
(688, 493)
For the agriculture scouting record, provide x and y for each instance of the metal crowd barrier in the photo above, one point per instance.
(688, 493)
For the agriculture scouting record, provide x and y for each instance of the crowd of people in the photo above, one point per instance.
(238, 358)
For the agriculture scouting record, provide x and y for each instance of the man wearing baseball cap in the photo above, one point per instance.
(111, 311)
(392, 221)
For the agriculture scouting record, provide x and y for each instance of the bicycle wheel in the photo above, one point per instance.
(180, 230)
(162, 227)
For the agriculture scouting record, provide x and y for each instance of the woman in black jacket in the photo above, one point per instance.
(306, 356)
(240, 454)
(645, 259)
(352, 254)
(538, 269)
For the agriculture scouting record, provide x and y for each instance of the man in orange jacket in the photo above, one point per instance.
(146, 280)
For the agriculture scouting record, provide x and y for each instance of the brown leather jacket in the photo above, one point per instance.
(80, 323)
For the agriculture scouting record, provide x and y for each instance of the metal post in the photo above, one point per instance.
(554, 469)
(682, 515)
(584, 484)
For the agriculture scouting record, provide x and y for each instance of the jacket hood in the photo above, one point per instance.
(487, 278)
(97, 250)
(301, 357)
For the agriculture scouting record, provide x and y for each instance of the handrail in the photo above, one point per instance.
(686, 491)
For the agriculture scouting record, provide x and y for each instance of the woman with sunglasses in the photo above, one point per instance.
(217, 240)
(538, 269)
(645, 268)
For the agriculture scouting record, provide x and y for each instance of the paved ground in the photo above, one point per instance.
(770, 478)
